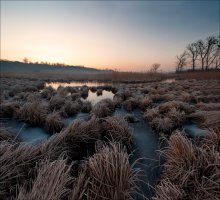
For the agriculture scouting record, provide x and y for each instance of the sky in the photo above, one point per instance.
(122, 35)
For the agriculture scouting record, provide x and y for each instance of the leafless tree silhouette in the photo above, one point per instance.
(192, 52)
(155, 67)
(181, 61)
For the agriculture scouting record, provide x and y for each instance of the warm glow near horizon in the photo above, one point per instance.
(121, 35)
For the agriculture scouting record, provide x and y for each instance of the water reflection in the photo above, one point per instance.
(169, 80)
(94, 98)
(55, 85)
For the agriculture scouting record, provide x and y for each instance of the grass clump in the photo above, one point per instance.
(86, 106)
(51, 182)
(106, 175)
(56, 102)
(8, 109)
(207, 119)
(71, 108)
(33, 113)
(5, 135)
(190, 172)
(103, 108)
(54, 123)
(117, 129)
(99, 92)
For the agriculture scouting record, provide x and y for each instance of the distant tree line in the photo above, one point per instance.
(200, 55)
(27, 61)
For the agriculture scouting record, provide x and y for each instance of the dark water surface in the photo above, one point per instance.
(145, 151)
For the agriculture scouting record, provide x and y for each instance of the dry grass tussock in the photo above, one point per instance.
(86, 106)
(106, 175)
(33, 113)
(145, 103)
(208, 106)
(84, 131)
(167, 116)
(117, 129)
(103, 108)
(8, 109)
(99, 92)
(5, 135)
(14, 90)
(76, 141)
(56, 102)
(16, 166)
(130, 104)
(51, 182)
(47, 92)
(71, 108)
(190, 172)
(54, 123)
(207, 119)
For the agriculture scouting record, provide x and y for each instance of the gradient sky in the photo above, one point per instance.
(123, 35)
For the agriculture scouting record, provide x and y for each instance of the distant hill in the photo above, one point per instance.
(15, 66)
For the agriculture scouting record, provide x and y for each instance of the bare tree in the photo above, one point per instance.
(217, 56)
(206, 51)
(155, 67)
(192, 51)
(181, 61)
(201, 51)
(25, 60)
(211, 46)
